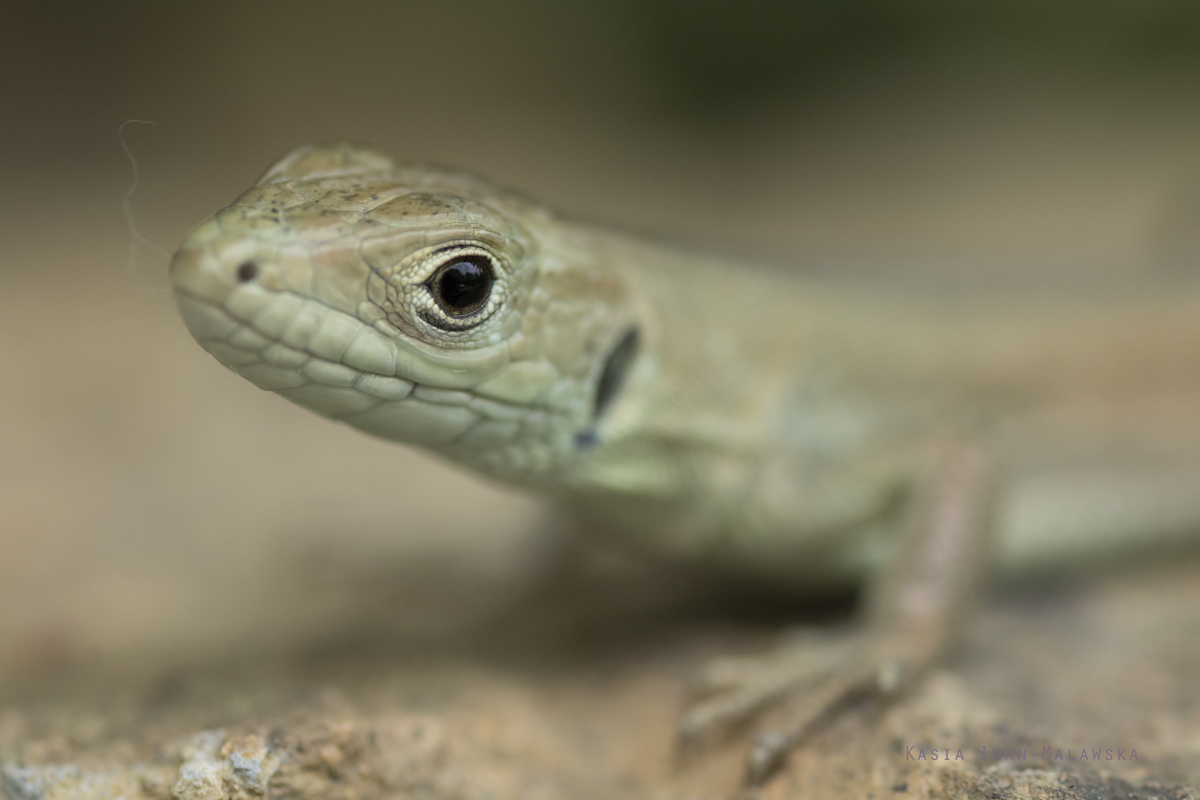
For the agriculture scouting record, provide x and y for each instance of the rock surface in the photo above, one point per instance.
(208, 593)
(190, 609)
(1084, 691)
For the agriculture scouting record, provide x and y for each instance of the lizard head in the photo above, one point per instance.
(415, 303)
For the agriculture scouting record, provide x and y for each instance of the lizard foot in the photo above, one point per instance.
(913, 612)
(792, 691)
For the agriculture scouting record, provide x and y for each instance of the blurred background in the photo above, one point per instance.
(152, 503)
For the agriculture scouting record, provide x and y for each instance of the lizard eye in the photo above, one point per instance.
(462, 285)
(456, 288)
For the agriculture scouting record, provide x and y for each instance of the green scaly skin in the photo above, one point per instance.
(758, 424)
(342, 240)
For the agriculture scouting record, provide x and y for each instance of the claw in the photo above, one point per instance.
(765, 757)
(802, 690)
(801, 717)
(913, 614)
(715, 720)
(731, 692)
(735, 691)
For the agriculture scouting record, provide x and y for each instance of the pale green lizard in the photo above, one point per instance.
(802, 432)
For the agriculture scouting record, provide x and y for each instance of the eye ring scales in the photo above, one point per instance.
(449, 295)
(463, 284)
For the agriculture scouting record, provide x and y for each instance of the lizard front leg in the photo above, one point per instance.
(912, 613)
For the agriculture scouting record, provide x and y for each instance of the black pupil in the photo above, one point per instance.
(464, 285)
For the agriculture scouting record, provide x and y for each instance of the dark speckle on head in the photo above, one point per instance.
(413, 204)
(247, 272)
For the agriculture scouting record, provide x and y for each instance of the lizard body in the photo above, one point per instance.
(752, 422)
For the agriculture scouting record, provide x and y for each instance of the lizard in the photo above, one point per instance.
(808, 434)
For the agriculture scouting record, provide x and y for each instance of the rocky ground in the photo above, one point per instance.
(1081, 691)
(207, 593)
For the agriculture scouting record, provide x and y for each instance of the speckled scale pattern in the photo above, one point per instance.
(326, 323)
(344, 241)
(766, 423)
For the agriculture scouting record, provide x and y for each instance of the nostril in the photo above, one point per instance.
(247, 272)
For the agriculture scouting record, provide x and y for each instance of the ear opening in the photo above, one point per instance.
(616, 370)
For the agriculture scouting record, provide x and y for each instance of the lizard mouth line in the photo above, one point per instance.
(270, 362)
(332, 387)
